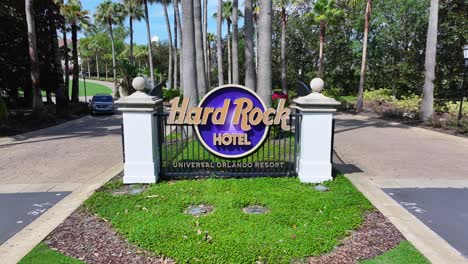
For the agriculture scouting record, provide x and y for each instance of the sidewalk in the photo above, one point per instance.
(384, 158)
(77, 157)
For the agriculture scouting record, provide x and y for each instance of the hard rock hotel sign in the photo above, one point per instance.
(231, 121)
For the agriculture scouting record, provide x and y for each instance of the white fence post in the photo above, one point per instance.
(317, 110)
(140, 137)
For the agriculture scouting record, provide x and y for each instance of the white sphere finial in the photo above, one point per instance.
(139, 83)
(317, 85)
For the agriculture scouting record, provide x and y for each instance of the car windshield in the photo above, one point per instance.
(102, 98)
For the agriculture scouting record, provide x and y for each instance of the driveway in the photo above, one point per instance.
(40, 168)
(416, 177)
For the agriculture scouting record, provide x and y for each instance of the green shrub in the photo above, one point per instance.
(170, 94)
(454, 107)
(333, 92)
(3, 111)
(380, 95)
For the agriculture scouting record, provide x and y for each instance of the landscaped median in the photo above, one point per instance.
(153, 223)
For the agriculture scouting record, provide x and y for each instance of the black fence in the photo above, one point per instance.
(183, 156)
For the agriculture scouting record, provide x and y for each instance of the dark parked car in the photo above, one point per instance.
(102, 103)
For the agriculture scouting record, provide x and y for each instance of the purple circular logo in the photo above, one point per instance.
(234, 131)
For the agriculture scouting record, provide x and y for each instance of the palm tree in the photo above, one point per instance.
(96, 49)
(250, 72)
(78, 19)
(200, 52)
(264, 82)
(169, 38)
(60, 4)
(367, 14)
(109, 13)
(256, 15)
(205, 40)
(427, 108)
(324, 12)
(235, 40)
(38, 105)
(219, 43)
(190, 67)
(176, 52)
(134, 11)
(282, 4)
(226, 16)
(209, 39)
(179, 30)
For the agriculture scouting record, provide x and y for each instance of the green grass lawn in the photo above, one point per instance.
(404, 253)
(301, 222)
(42, 254)
(91, 89)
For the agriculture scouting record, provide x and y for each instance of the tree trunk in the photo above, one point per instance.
(60, 99)
(283, 51)
(179, 29)
(107, 71)
(131, 40)
(67, 64)
(37, 105)
(235, 41)
(76, 68)
(360, 101)
(205, 42)
(150, 52)
(169, 39)
(229, 51)
(250, 72)
(219, 43)
(201, 74)
(97, 65)
(189, 54)
(430, 63)
(322, 42)
(89, 69)
(264, 82)
(176, 51)
(111, 34)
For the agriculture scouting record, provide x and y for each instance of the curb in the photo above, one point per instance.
(15, 248)
(430, 244)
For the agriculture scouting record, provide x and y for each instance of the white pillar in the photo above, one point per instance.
(314, 165)
(140, 137)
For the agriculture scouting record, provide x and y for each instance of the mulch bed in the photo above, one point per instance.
(92, 240)
(373, 238)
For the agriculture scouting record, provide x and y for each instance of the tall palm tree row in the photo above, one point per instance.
(78, 19)
(250, 71)
(264, 82)
(134, 10)
(199, 51)
(189, 53)
(282, 5)
(427, 108)
(110, 13)
(37, 105)
(148, 37)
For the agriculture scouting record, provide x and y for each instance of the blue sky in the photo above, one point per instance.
(157, 20)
